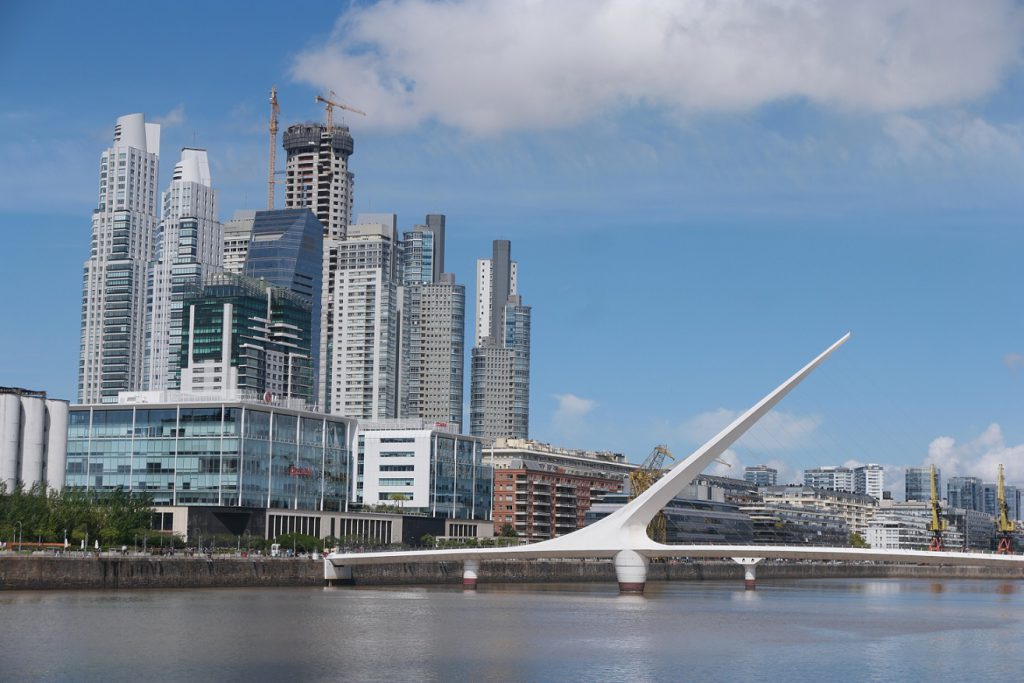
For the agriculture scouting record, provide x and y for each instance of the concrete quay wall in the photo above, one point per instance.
(61, 573)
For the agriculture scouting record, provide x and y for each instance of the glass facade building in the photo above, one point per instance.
(225, 454)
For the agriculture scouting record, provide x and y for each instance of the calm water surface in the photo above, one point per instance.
(871, 630)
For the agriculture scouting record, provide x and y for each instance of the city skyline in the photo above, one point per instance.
(743, 232)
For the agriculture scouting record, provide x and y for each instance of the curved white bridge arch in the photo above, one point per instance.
(623, 534)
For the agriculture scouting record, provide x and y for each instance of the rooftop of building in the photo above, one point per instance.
(248, 397)
(529, 445)
(411, 423)
(18, 391)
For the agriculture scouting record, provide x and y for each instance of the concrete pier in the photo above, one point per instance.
(749, 571)
(470, 570)
(631, 571)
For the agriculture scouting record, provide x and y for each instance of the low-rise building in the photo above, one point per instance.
(785, 524)
(857, 509)
(423, 467)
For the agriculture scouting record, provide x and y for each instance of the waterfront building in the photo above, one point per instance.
(421, 467)
(33, 439)
(188, 247)
(761, 475)
(857, 509)
(964, 493)
(227, 450)
(541, 500)
(830, 477)
(243, 334)
(722, 490)
(976, 529)
(787, 524)
(317, 175)
(869, 479)
(237, 235)
(990, 500)
(688, 520)
(500, 366)
(601, 464)
(918, 483)
(360, 331)
(433, 329)
(124, 226)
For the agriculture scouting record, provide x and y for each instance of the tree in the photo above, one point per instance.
(857, 541)
(507, 531)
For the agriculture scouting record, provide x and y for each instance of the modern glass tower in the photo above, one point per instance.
(500, 368)
(188, 247)
(433, 329)
(124, 227)
(918, 483)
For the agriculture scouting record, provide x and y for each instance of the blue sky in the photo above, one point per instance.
(701, 196)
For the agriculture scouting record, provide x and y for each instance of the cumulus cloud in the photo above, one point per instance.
(490, 65)
(175, 117)
(979, 457)
(778, 430)
(572, 407)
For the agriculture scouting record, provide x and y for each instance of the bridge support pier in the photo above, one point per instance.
(337, 575)
(470, 568)
(749, 571)
(631, 571)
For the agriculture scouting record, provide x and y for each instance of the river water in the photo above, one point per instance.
(808, 630)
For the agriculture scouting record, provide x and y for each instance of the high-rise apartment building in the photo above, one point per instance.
(114, 281)
(869, 479)
(830, 477)
(761, 475)
(964, 493)
(237, 235)
(188, 247)
(359, 337)
(918, 483)
(317, 175)
(500, 368)
(433, 329)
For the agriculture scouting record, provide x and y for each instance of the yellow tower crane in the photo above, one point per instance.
(331, 104)
(643, 477)
(938, 524)
(1004, 525)
(274, 111)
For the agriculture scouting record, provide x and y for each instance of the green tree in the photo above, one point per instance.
(857, 541)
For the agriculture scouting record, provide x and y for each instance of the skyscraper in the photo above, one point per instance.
(918, 483)
(500, 368)
(237, 235)
(188, 247)
(964, 493)
(433, 329)
(359, 336)
(869, 479)
(114, 282)
(317, 175)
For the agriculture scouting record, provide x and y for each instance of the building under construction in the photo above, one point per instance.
(317, 175)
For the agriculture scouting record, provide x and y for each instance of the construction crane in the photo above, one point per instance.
(642, 478)
(274, 111)
(1004, 525)
(938, 524)
(331, 104)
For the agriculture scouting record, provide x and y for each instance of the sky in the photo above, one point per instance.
(701, 195)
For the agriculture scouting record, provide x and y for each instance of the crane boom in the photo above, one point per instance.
(274, 111)
(1004, 525)
(330, 104)
(937, 525)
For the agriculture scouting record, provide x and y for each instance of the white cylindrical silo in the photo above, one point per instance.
(33, 426)
(57, 443)
(10, 437)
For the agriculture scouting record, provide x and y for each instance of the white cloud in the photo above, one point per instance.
(572, 408)
(776, 431)
(979, 457)
(175, 117)
(949, 136)
(491, 65)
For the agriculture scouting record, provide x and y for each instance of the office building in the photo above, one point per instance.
(359, 342)
(317, 175)
(243, 334)
(964, 493)
(870, 480)
(990, 500)
(761, 475)
(687, 520)
(188, 248)
(856, 509)
(114, 281)
(33, 439)
(432, 331)
(237, 235)
(420, 467)
(500, 366)
(228, 452)
(918, 483)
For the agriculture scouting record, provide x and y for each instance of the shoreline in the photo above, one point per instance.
(134, 572)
